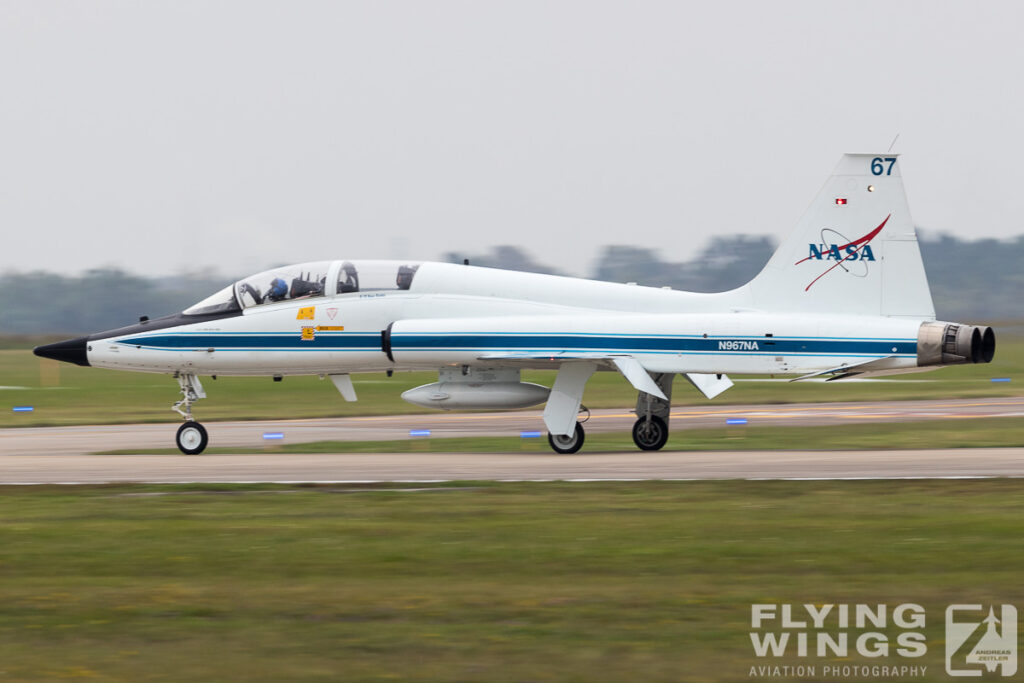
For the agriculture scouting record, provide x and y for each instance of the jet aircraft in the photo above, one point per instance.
(844, 295)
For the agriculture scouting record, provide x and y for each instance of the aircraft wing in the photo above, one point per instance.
(630, 367)
(532, 358)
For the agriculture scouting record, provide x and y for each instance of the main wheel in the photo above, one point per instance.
(650, 434)
(567, 444)
(191, 438)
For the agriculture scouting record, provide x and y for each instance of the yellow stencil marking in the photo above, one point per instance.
(306, 313)
(308, 333)
(330, 328)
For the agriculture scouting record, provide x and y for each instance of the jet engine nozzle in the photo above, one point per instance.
(942, 343)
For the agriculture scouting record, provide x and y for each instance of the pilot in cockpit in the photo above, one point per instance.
(404, 277)
(278, 290)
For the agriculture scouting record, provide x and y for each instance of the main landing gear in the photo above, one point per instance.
(570, 443)
(650, 432)
(567, 444)
(191, 437)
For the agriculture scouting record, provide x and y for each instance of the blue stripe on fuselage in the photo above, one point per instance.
(490, 343)
(769, 346)
(255, 342)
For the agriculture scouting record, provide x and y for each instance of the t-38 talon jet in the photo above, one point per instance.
(845, 294)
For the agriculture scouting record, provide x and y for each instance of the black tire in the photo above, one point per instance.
(567, 444)
(191, 438)
(650, 434)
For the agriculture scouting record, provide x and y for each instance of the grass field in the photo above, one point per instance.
(974, 433)
(480, 582)
(67, 394)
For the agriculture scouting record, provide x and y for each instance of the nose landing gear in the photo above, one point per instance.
(191, 437)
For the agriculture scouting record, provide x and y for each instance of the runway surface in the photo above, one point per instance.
(408, 467)
(61, 454)
(90, 439)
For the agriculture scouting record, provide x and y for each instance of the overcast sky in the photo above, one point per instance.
(165, 136)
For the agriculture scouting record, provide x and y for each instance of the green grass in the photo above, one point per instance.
(973, 433)
(477, 582)
(67, 394)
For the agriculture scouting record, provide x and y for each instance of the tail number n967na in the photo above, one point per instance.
(741, 345)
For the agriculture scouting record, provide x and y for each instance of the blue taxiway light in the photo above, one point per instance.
(23, 409)
(1000, 379)
(273, 435)
(419, 432)
(736, 421)
(529, 435)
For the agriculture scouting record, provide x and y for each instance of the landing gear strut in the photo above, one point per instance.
(191, 437)
(650, 432)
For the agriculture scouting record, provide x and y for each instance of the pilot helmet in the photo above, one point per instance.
(278, 288)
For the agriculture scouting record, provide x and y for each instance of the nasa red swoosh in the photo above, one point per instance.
(859, 244)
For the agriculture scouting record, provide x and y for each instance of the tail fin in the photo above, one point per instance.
(854, 251)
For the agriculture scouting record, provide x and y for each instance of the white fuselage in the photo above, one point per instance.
(464, 315)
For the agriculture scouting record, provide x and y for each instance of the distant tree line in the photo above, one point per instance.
(970, 281)
(45, 303)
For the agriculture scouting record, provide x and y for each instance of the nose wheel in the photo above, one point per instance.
(191, 438)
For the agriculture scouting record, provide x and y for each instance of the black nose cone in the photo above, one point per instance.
(70, 351)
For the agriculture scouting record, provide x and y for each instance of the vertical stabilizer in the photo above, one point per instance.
(854, 251)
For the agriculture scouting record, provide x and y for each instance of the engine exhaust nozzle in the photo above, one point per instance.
(942, 343)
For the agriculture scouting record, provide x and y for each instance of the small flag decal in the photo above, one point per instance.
(840, 200)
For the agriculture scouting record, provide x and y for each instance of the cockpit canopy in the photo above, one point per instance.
(282, 284)
(307, 281)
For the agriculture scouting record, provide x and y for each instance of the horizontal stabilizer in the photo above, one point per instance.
(848, 370)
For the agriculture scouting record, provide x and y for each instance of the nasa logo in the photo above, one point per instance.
(844, 255)
(832, 253)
